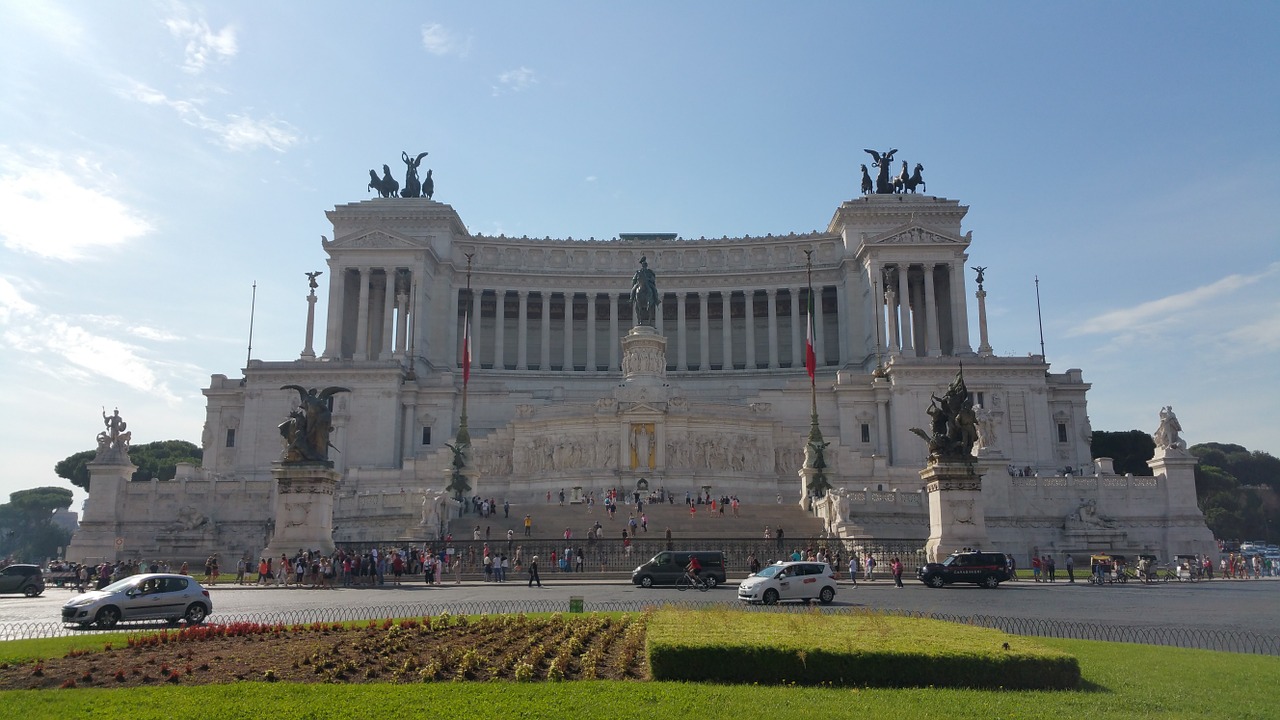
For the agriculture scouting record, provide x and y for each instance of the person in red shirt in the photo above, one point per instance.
(693, 568)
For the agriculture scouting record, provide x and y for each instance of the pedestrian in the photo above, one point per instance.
(506, 508)
(871, 568)
(895, 566)
(1035, 568)
(669, 544)
(528, 526)
(533, 572)
(779, 536)
(1071, 569)
(853, 569)
(1052, 566)
(644, 522)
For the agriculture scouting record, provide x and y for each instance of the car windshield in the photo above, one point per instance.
(769, 571)
(121, 585)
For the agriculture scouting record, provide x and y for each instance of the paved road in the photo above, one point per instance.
(1237, 605)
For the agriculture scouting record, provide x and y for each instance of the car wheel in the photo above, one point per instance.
(107, 617)
(770, 597)
(711, 581)
(195, 614)
(826, 596)
(31, 591)
(934, 581)
(991, 581)
(646, 582)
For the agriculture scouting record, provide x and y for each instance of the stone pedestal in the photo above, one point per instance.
(957, 516)
(304, 508)
(101, 536)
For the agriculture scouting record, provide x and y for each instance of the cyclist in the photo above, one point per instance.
(693, 569)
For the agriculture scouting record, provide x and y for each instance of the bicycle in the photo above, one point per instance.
(684, 582)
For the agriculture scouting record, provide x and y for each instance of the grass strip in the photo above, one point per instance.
(866, 650)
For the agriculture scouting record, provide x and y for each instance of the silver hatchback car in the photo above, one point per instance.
(150, 596)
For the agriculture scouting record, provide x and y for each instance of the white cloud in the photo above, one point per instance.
(55, 213)
(203, 46)
(1263, 334)
(591, 178)
(1143, 316)
(437, 40)
(516, 80)
(236, 132)
(77, 348)
(51, 22)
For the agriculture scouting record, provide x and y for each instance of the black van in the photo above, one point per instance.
(667, 566)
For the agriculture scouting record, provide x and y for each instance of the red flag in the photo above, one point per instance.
(810, 360)
(466, 348)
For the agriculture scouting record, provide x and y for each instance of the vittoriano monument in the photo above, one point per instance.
(903, 182)
(387, 187)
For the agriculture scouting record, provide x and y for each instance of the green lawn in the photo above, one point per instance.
(1120, 681)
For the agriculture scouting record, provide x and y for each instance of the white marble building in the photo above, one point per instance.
(720, 400)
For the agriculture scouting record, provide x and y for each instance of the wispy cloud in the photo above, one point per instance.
(438, 40)
(203, 46)
(1144, 315)
(517, 80)
(76, 348)
(61, 208)
(235, 132)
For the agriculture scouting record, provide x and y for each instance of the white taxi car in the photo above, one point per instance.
(790, 581)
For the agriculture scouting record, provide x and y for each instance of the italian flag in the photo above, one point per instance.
(466, 348)
(810, 360)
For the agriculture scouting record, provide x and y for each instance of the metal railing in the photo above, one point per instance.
(1179, 636)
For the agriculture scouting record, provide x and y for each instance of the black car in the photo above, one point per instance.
(25, 579)
(987, 569)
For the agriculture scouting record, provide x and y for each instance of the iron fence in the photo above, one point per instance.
(1184, 637)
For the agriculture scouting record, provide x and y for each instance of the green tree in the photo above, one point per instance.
(1226, 482)
(27, 531)
(1130, 450)
(154, 460)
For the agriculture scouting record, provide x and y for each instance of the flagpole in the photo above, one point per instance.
(815, 454)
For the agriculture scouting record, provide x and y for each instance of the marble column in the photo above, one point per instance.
(704, 331)
(726, 329)
(388, 313)
(984, 349)
(682, 354)
(959, 310)
(933, 347)
(749, 313)
(772, 294)
(890, 300)
(568, 332)
(308, 353)
(337, 302)
(476, 327)
(402, 322)
(614, 338)
(499, 329)
(819, 329)
(522, 331)
(362, 316)
(904, 310)
(591, 331)
(544, 363)
(797, 331)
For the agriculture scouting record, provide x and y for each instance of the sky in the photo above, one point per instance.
(159, 159)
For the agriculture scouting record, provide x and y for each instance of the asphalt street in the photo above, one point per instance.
(1242, 605)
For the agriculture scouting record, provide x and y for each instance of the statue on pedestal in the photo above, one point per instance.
(412, 187)
(115, 439)
(884, 185)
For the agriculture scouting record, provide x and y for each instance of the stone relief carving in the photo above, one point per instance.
(524, 410)
(789, 459)
(189, 518)
(564, 452)
(704, 451)
(1087, 516)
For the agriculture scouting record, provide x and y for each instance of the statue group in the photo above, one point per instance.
(954, 426)
(904, 182)
(115, 439)
(386, 186)
(306, 431)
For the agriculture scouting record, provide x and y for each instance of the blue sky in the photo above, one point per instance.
(158, 158)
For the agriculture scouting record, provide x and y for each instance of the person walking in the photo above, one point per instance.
(895, 566)
(528, 526)
(853, 569)
(1071, 569)
(533, 572)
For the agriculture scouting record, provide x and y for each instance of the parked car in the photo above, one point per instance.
(987, 569)
(785, 581)
(149, 596)
(25, 579)
(667, 566)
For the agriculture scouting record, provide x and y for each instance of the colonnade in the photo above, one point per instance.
(922, 308)
(376, 325)
(725, 329)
